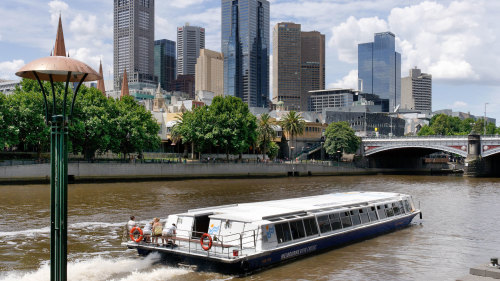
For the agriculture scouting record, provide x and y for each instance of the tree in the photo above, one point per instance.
(231, 125)
(273, 150)
(29, 115)
(426, 131)
(339, 136)
(193, 127)
(90, 128)
(134, 129)
(293, 124)
(441, 125)
(9, 132)
(478, 127)
(265, 133)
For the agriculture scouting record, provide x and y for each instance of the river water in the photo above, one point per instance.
(459, 228)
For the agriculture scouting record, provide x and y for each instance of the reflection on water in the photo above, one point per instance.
(458, 230)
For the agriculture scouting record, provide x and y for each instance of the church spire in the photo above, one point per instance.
(125, 91)
(100, 82)
(59, 47)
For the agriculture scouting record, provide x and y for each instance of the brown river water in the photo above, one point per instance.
(459, 228)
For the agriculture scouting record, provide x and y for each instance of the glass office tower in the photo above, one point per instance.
(379, 68)
(245, 46)
(165, 63)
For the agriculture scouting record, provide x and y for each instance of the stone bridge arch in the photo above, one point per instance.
(458, 149)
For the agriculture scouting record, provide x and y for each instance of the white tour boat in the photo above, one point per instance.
(243, 238)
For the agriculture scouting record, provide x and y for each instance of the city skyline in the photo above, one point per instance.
(452, 53)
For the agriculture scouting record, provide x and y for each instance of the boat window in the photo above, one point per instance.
(401, 208)
(324, 224)
(283, 232)
(363, 215)
(372, 214)
(311, 227)
(335, 221)
(297, 228)
(407, 206)
(388, 210)
(355, 217)
(346, 219)
(381, 211)
(395, 207)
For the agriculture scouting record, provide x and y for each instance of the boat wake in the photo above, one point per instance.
(100, 268)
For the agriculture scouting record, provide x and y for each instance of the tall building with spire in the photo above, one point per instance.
(245, 47)
(133, 42)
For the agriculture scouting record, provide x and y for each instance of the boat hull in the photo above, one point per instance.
(266, 259)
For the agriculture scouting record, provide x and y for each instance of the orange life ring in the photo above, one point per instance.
(205, 235)
(141, 234)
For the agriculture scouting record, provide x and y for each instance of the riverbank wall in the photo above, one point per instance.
(88, 172)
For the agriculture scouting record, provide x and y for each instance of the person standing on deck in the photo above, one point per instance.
(131, 223)
(170, 233)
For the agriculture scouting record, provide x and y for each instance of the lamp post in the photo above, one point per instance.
(58, 69)
(484, 123)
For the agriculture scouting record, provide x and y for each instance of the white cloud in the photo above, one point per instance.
(184, 3)
(9, 68)
(451, 42)
(347, 36)
(350, 81)
(459, 104)
(56, 8)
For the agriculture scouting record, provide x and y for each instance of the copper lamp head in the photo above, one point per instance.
(58, 67)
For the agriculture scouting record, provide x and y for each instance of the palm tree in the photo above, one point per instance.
(265, 132)
(293, 124)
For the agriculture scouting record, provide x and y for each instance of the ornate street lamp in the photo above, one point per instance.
(58, 68)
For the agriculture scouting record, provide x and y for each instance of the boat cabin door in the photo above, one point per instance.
(200, 225)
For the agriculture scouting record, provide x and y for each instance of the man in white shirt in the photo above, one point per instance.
(131, 223)
(170, 233)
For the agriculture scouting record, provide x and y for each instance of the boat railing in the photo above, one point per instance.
(230, 245)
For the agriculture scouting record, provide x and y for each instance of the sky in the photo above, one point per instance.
(458, 42)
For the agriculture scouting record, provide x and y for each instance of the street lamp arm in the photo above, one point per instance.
(44, 97)
(66, 92)
(75, 93)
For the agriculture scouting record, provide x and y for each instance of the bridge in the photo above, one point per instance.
(482, 153)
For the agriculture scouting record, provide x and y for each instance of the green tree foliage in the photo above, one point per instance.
(91, 127)
(273, 150)
(265, 133)
(293, 124)
(133, 127)
(231, 126)
(98, 124)
(442, 124)
(9, 132)
(226, 123)
(339, 136)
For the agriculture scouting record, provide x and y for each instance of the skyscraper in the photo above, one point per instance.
(210, 72)
(379, 68)
(245, 46)
(286, 65)
(165, 63)
(312, 70)
(416, 91)
(190, 40)
(133, 40)
(298, 65)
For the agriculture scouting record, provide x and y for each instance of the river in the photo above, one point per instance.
(458, 229)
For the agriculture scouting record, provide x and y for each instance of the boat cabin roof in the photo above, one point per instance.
(291, 208)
